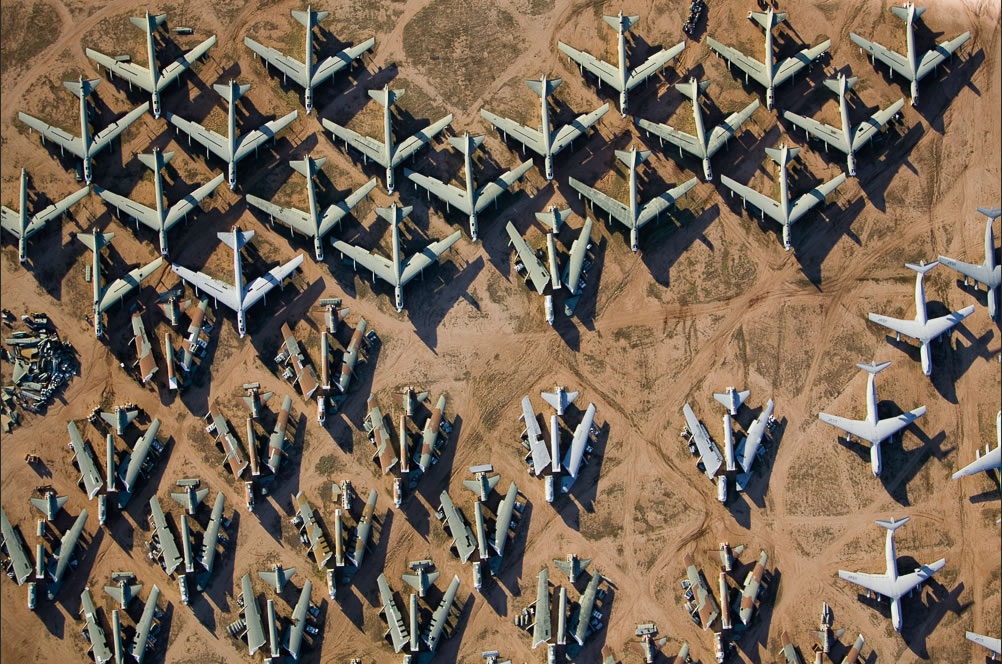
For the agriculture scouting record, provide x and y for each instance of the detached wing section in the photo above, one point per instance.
(791, 66)
(530, 138)
(256, 138)
(339, 61)
(290, 67)
(653, 64)
(121, 287)
(710, 455)
(429, 255)
(750, 66)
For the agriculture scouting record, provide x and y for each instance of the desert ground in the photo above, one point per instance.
(710, 300)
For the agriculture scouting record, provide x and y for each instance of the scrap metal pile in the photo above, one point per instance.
(42, 365)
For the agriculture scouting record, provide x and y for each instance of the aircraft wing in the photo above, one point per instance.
(172, 557)
(679, 139)
(584, 610)
(109, 133)
(461, 534)
(337, 211)
(575, 453)
(176, 68)
(490, 191)
(530, 138)
(936, 56)
(20, 561)
(791, 66)
(144, 624)
(224, 293)
(294, 637)
(995, 645)
(750, 66)
(814, 196)
(369, 147)
(923, 332)
(605, 72)
(290, 67)
(188, 203)
(708, 451)
(896, 62)
(541, 630)
(67, 545)
(41, 218)
(652, 208)
(827, 133)
(340, 60)
(10, 221)
(138, 456)
(61, 138)
(575, 261)
(412, 144)
(866, 130)
(619, 211)
(121, 287)
(394, 619)
(451, 194)
(537, 447)
(979, 273)
(580, 125)
(135, 210)
(537, 273)
(90, 475)
(987, 462)
(375, 263)
(295, 219)
(897, 588)
(260, 286)
(503, 521)
(130, 71)
(653, 64)
(441, 614)
(253, 140)
(426, 257)
(98, 642)
(208, 138)
(252, 616)
(746, 456)
(211, 535)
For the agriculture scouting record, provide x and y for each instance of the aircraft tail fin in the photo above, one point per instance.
(304, 17)
(82, 87)
(893, 524)
(627, 156)
(307, 167)
(777, 154)
(833, 84)
(551, 85)
(95, 241)
(991, 213)
(873, 367)
(231, 91)
(386, 97)
(902, 12)
(150, 160)
(236, 238)
(626, 21)
(387, 213)
(763, 19)
(921, 268)
(153, 20)
(692, 88)
(459, 142)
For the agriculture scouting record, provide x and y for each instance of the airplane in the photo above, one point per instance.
(533, 266)
(159, 219)
(472, 200)
(647, 632)
(252, 616)
(254, 399)
(429, 436)
(95, 635)
(171, 556)
(546, 141)
(537, 446)
(579, 446)
(294, 635)
(61, 560)
(238, 297)
(911, 66)
(396, 272)
(619, 77)
(783, 211)
(633, 215)
(752, 585)
(553, 218)
(89, 474)
(586, 604)
(171, 305)
(105, 296)
(559, 399)
(210, 539)
(233, 147)
(482, 485)
(225, 438)
(988, 273)
(871, 429)
(277, 576)
(441, 615)
(768, 74)
(319, 547)
(188, 346)
(572, 566)
(394, 619)
(853, 653)
(408, 399)
(541, 630)
(150, 610)
(574, 268)
(129, 470)
(276, 442)
(422, 579)
(49, 505)
(732, 399)
(994, 645)
(788, 651)
(503, 524)
(991, 459)
(312, 223)
(462, 537)
(704, 144)
(332, 315)
(706, 607)
(144, 350)
(22, 227)
(350, 357)
(709, 453)
(375, 426)
(85, 146)
(846, 138)
(308, 74)
(306, 378)
(922, 329)
(386, 153)
(748, 448)
(20, 560)
(825, 634)
(124, 592)
(889, 584)
(120, 418)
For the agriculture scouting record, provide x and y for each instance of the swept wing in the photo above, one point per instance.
(537, 273)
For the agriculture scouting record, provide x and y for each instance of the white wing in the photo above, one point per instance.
(339, 61)
(827, 133)
(295, 219)
(814, 196)
(51, 212)
(896, 62)
(337, 211)
(426, 257)
(605, 72)
(750, 66)
(412, 144)
(866, 130)
(487, 193)
(188, 203)
(135, 210)
(985, 463)
(375, 263)
(761, 201)
(712, 460)
(791, 66)
(940, 53)
(56, 135)
(663, 202)
(208, 138)
(679, 139)
(619, 211)
(370, 147)
(119, 288)
(530, 138)
(176, 68)
(260, 286)
(290, 67)
(130, 71)
(256, 138)
(448, 193)
(108, 134)
(653, 64)
(221, 292)
(728, 128)
(580, 124)
(537, 273)
(881, 583)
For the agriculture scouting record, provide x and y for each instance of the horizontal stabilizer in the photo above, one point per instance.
(692, 88)
(893, 524)
(626, 22)
(777, 154)
(554, 217)
(551, 85)
(386, 97)
(833, 84)
(302, 166)
(873, 367)
(902, 12)
(627, 157)
(921, 268)
(231, 92)
(150, 160)
(102, 239)
(236, 238)
(310, 18)
(387, 213)
(763, 19)
(459, 142)
(154, 21)
(991, 213)
(83, 87)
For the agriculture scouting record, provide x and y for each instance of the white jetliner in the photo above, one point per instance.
(768, 74)
(990, 461)
(988, 273)
(910, 66)
(387, 154)
(782, 211)
(559, 399)
(732, 399)
(238, 297)
(995, 645)
(748, 448)
(889, 584)
(703, 145)
(922, 329)
(151, 79)
(871, 429)
(159, 220)
(633, 215)
(83, 146)
(233, 147)
(846, 138)
(545, 141)
(22, 227)
(619, 77)
(575, 453)
(311, 223)
(306, 74)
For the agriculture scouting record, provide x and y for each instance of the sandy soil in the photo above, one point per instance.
(711, 300)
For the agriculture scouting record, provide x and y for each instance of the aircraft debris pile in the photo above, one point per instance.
(42, 365)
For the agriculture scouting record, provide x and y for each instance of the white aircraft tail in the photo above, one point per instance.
(626, 22)
(308, 167)
(627, 156)
(991, 213)
(777, 154)
(551, 85)
(459, 142)
(236, 238)
(305, 17)
(763, 18)
(388, 213)
(154, 21)
(95, 241)
(902, 12)
(386, 97)
(921, 268)
(150, 160)
(833, 84)
(554, 217)
(231, 91)
(893, 524)
(83, 87)
(873, 367)
(692, 88)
